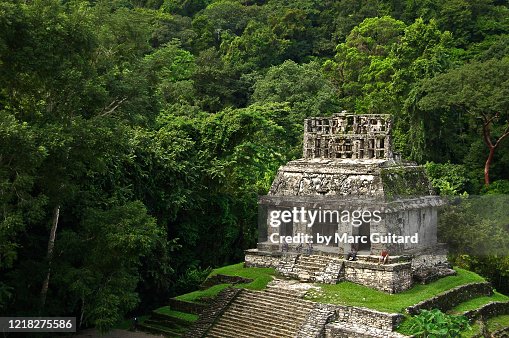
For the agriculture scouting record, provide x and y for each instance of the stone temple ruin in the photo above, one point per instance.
(349, 165)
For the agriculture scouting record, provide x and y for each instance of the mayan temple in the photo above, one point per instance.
(348, 164)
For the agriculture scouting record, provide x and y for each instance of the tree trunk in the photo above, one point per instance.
(49, 255)
(486, 131)
(82, 311)
(487, 166)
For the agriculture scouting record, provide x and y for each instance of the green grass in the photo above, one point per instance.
(493, 324)
(196, 296)
(261, 276)
(475, 329)
(478, 302)
(347, 293)
(188, 317)
(497, 323)
(405, 326)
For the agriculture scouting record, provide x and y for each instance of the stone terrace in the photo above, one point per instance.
(272, 313)
(279, 312)
(392, 278)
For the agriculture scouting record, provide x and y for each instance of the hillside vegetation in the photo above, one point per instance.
(137, 135)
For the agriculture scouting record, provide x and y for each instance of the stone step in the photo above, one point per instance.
(280, 306)
(227, 330)
(277, 306)
(290, 311)
(271, 313)
(261, 313)
(309, 268)
(348, 330)
(313, 263)
(279, 291)
(252, 322)
(282, 290)
(294, 294)
(274, 295)
(259, 323)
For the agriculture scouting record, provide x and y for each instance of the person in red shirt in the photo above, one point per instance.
(384, 257)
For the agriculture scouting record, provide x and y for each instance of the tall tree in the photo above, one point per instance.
(481, 91)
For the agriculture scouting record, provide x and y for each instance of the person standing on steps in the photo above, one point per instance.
(309, 248)
(384, 257)
(284, 246)
(352, 255)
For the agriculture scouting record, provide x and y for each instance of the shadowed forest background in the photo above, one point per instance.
(136, 136)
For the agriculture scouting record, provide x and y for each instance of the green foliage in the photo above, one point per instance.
(400, 182)
(107, 277)
(447, 178)
(435, 323)
(498, 187)
(191, 279)
(476, 230)
(155, 124)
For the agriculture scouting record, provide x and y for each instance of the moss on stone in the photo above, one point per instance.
(404, 181)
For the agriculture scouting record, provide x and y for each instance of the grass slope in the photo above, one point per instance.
(498, 323)
(476, 303)
(188, 317)
(198, 295)
(492, 325)
(347, 293)
(260, 276)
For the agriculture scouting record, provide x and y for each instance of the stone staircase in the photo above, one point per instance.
(273, 313)
(314, 268)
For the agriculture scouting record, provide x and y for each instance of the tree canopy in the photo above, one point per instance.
(136, 135)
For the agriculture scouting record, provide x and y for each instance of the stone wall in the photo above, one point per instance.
(449, 299)
(333, 273)
(430, 256)
(261, 259)
(223, 279)
(391, 278)
(502, 333)
(368, 317)
(429, 260)
(344, 330)
(328, 178)
(211, 313)
(348, 136)
(487, 311)
(287, 264)
(189, 307)
(314, 325)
